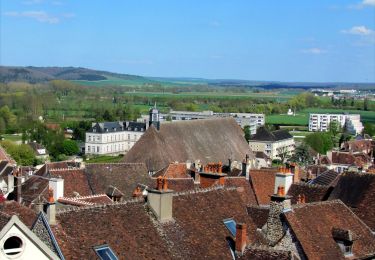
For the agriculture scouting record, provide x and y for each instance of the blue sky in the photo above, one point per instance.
(309, 40)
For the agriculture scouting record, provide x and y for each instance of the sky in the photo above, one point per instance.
(272, 40)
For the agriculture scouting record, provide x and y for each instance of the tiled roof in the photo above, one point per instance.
(206, 140)
(259, 214)
(181, 184)
(327, 178)
(124, 176)
(263, 181)
(244, 189)
(312, 193)
(313, 224)
(197, 231)
(264, 253)
(86, 200)
(173, 170)
(6, 157)
(357, 190)
(33, 188)
(26, 215)
(315, 170)
(263, 134)
(358, 159)
(358, 146)
(125, 227)
(75, 181)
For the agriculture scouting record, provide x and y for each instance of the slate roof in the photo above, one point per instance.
(117, 126)
(313, 224)
(261, 155)
(263, 134)
(207, 140)
(124, 176)
(263, 182)
(10, 208)
(357, 191)
(327, 178)
(312, 193)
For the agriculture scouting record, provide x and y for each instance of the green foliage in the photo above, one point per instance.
(247, 132)
(320, 142)
(302, 155)
(70, 147)
(22, 154)
(369, 129)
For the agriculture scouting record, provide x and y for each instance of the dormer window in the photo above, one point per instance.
(344, 239)
(105, 253)
(231, 225)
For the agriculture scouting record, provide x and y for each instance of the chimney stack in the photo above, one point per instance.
(160, 200)
(241, 237)
(51, 210)
(246, 167)
(57, 186)
(284, 178)
(10, 183)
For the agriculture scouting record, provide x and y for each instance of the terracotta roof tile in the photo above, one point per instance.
(173, 170)
(263, 181)
(75, 181)
(25, 214)
(357, 191)
(244, 189)
(312, 224)
(312, 193)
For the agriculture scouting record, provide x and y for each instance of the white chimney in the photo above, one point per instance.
(284, 178)
(57, 185)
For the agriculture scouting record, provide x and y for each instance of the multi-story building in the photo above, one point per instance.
(112, 138)
(321, 122)
(278, 144)
(243, 119)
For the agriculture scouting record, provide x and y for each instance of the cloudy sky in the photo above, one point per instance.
(290, 40)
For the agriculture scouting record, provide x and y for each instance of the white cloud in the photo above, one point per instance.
(40, 16)
(368, 2)
(314, 51)
(359, 30)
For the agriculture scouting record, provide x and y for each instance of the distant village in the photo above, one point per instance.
(194, 185)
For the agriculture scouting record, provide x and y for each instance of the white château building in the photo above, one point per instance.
(320, 122)
(113, 138)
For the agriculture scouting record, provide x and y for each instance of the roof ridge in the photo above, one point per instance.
(203, 190)
(313, 185)
(326, 202)
(65, 169)
(121, 163)
(100, 205)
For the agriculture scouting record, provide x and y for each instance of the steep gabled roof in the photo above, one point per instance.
(173, 170)
(263, 134)
(244, 189)
(75, 181)
(124, 176)
(357, 190)
(313, 225)
(312, 193)
(207, 140)
(263, 181)
(26, 215)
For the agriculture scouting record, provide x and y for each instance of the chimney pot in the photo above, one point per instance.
(159, 183)
(165, 183)
(241, 237)
(50, 196)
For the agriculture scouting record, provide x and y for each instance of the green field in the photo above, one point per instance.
(14, 138)
(302, 117)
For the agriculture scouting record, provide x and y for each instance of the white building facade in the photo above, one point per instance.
(113, 138)
(243, 119)
(321, 122)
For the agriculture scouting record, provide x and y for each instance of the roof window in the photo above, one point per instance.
(105, 253)
(231, 225)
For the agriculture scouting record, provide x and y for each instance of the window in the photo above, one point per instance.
(346, 247)
(231, 225)
(13, 246)
(105, 253)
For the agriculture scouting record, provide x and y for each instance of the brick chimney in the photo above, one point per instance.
(241, 237)
(57, 186)
(51, 208)
(284, 178)
(160, 200)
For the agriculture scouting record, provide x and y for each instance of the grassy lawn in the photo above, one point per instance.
(105, 159)
(299, 119)
(13, 138)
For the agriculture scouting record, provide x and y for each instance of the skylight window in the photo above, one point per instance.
(231, 225)
(105, 253)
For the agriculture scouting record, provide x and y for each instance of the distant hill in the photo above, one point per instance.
(42, 74)
(92, 77)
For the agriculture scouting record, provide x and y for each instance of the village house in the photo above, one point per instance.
(277, 144)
